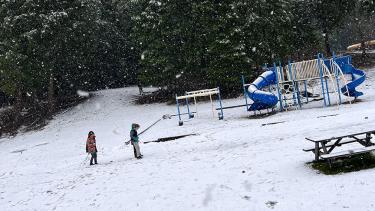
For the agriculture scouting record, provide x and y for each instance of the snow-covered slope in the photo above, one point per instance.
(235, 164)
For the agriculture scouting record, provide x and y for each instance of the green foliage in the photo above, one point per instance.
(177, 45)
(329, 15)
(199, 44)
(358, 25)
(82, 44)
(368, 6)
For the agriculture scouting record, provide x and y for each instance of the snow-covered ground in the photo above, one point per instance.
(234, 164)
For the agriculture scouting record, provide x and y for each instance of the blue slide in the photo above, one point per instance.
(262, 99)
(358, 77)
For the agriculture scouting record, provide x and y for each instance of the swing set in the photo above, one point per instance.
(194, 95)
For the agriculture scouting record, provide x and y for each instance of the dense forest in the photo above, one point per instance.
(50, 49)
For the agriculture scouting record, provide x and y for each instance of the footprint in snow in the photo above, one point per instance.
(247, 185)
(208, 196)
(271, 204)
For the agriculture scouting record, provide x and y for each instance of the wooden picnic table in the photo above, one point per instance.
(323, 147)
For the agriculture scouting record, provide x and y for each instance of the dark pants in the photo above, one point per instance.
(93, 157)
(135, 152)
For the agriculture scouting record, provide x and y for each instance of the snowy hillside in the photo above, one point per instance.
(235, 164)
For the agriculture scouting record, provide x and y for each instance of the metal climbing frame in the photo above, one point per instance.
(293, 80)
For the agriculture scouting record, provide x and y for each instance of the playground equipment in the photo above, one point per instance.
(194, 95)
(298, 83)
(291, 86)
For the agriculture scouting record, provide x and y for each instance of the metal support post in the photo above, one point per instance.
(244, 92)
(180, 122)
(293, 84)
(277, 87)
(221, 114)
(188, 108)
(327, 91)
(326, 83)
(336, 76)
(321, 80)
(306, 94)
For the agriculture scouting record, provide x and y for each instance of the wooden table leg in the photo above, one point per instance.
(368, 139)
(316, 151)
(324, 147)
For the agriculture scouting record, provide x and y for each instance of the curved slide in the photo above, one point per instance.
(262, 99)
(358, 77)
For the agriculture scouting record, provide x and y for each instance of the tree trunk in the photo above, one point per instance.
(363, 48)
(326, 43)
(140, 88)
(51, 94)
(18, 105)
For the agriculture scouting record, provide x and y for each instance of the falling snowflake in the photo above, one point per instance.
(82, 93)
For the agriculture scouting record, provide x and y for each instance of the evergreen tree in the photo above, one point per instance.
(329, 16)
(50, 49)
(190, 45)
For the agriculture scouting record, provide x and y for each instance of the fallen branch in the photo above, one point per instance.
(170, 138)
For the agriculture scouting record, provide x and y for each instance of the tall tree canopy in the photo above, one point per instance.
(51, 49)
(57, 47)
(195, 44)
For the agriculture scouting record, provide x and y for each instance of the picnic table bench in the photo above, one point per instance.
(323, 147)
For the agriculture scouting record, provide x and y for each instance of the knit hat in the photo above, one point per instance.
(135, 125)
(91, 133)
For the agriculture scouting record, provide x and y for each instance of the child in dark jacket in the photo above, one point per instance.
(135, 141)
